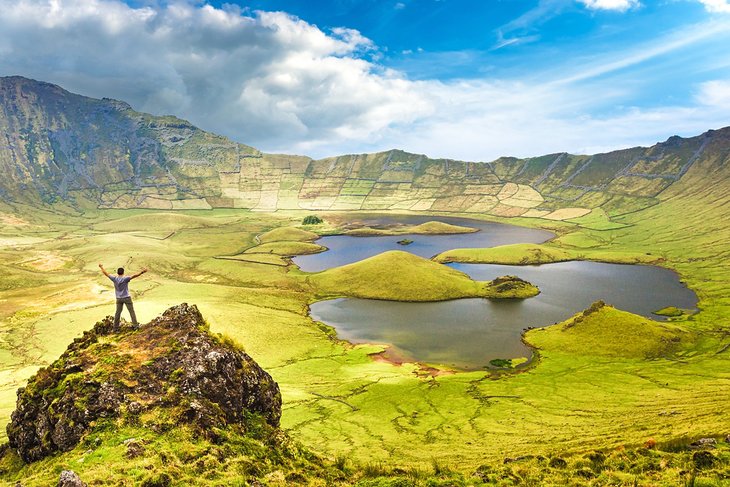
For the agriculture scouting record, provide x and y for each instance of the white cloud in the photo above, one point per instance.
(266, 79)
(715, 94)
(716, 6)
(283, 85)
(525, 120)
(616, 5)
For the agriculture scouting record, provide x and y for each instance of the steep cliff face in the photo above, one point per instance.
(55, 145)
(170, 371)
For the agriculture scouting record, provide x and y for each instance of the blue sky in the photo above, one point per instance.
(456, 39)
(451, 78)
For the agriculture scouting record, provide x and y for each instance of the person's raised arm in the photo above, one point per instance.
(144, 269)
(103, 270)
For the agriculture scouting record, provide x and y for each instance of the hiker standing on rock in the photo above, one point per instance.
(121, 289)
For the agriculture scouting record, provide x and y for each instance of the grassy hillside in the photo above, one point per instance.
(534, 254)
(338, 401)
(602, 331)
(605, 382)
(400, 276)
(286, 248)
(63, 148)
(428, 228)
(291, 234)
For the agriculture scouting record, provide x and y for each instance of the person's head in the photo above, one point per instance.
(120, 271)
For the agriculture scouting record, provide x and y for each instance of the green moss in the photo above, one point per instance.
(670, 311)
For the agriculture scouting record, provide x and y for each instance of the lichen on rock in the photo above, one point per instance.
(170, 371)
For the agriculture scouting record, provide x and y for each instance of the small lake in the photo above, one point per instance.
(468, 333)
(346, 249)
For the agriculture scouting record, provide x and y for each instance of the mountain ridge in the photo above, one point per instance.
(58, 146)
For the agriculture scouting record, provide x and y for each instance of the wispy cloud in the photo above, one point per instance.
(533, 18)
(513, 41)
(615, 5)
(717, 6)
(664, 45)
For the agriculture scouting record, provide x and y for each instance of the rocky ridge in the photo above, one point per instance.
(170, 371)
(56, 146)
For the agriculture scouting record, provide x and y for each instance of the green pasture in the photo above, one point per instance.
(610, 381)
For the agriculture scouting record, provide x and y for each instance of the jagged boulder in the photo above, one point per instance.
(173, 362)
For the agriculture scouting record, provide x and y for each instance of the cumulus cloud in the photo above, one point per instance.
(717, 6)
(262, 78)
(283, 85)
(616, 5)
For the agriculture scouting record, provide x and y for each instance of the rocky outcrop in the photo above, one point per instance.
(173, 363)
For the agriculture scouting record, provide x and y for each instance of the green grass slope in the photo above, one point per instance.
(339, 402)
(533, 254)
(287, 234)
(286, 248)
(401, 276)
(604, 331)
(428, 228)
(158, 223)
(441, 228)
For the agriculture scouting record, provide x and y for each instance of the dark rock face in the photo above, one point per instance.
(173, 362)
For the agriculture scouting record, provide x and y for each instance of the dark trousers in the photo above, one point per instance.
(130, 307)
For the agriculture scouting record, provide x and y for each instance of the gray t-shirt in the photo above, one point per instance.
(121, 286)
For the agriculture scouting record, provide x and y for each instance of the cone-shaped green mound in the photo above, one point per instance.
(287, 234)
(604, 331)
(401, 276)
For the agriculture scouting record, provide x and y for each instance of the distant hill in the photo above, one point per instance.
(58, 146)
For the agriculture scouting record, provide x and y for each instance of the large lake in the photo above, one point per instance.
(468, 333)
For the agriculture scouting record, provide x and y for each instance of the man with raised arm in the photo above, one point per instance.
(121, 289)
